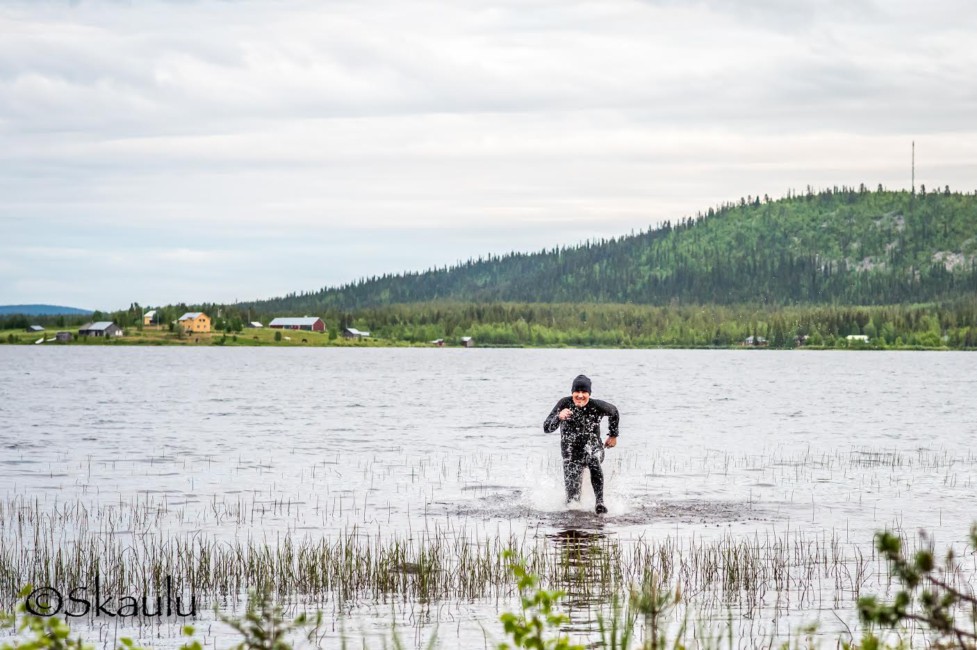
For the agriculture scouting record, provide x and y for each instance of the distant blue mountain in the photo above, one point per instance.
(42, 310)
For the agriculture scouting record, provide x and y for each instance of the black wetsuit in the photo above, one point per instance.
(580, 442)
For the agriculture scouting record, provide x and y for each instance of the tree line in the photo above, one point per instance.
(787, 271)
(950, 324)
(836, 246)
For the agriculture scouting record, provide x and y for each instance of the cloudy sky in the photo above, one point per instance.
(163, 152)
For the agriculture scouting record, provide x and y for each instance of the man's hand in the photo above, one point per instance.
(610, 442)
(565, 413)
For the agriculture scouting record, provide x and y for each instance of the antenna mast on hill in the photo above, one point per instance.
(914, 167)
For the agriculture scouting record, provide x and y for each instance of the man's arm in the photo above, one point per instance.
(613, 417)
(552, 421)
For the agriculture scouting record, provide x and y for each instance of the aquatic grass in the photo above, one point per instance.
(67, 544)
(334, 548)
(751, 572)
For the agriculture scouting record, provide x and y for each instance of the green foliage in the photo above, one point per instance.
(15, 322)
(537, 623)
(190, 644)
(926, 596)
(617, 325)
(264, 627)
(890, 265)
(951, 325)
(39, 632)
(838, 246)
(652, 602)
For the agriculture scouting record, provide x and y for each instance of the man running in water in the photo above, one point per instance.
(580, 442)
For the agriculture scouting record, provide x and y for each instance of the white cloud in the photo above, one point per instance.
(209, 127)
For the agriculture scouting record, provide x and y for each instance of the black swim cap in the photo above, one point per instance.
(582, 383)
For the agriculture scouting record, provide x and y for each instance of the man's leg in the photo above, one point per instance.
(597, 480)
(572, 471)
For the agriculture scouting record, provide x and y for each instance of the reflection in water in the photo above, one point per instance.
(583, 557)
(589, 564)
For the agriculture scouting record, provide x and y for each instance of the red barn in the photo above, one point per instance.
(309, 323)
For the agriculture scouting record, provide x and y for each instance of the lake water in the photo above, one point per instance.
(245, 445)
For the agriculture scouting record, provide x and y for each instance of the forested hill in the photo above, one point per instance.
(841, 246)
(42, 310)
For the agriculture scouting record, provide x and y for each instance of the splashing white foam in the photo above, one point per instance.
(545, 491)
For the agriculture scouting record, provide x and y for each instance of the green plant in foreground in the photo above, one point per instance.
(529, 627)
(264, 627)
(42, 633)
(650, 601)
(926, 595)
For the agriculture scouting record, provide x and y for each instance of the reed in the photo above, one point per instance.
(69, 545)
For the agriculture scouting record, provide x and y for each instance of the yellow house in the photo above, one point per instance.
(194, 321)
(149, 317)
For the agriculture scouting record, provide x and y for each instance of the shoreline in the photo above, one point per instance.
(241, 341)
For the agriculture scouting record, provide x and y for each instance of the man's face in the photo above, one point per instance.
(580, 398)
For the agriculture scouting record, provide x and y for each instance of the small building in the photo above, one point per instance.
(858, 338)
(438, 343)
(756, 341)
(194, 321)
(149, 317)
(101, 328)
(255, 325)
(35, 328)
(63, 337)
(353, 333)
(467, 342)
(308, 323)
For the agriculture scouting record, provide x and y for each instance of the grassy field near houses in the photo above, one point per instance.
(302, 339)
(162, 336)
